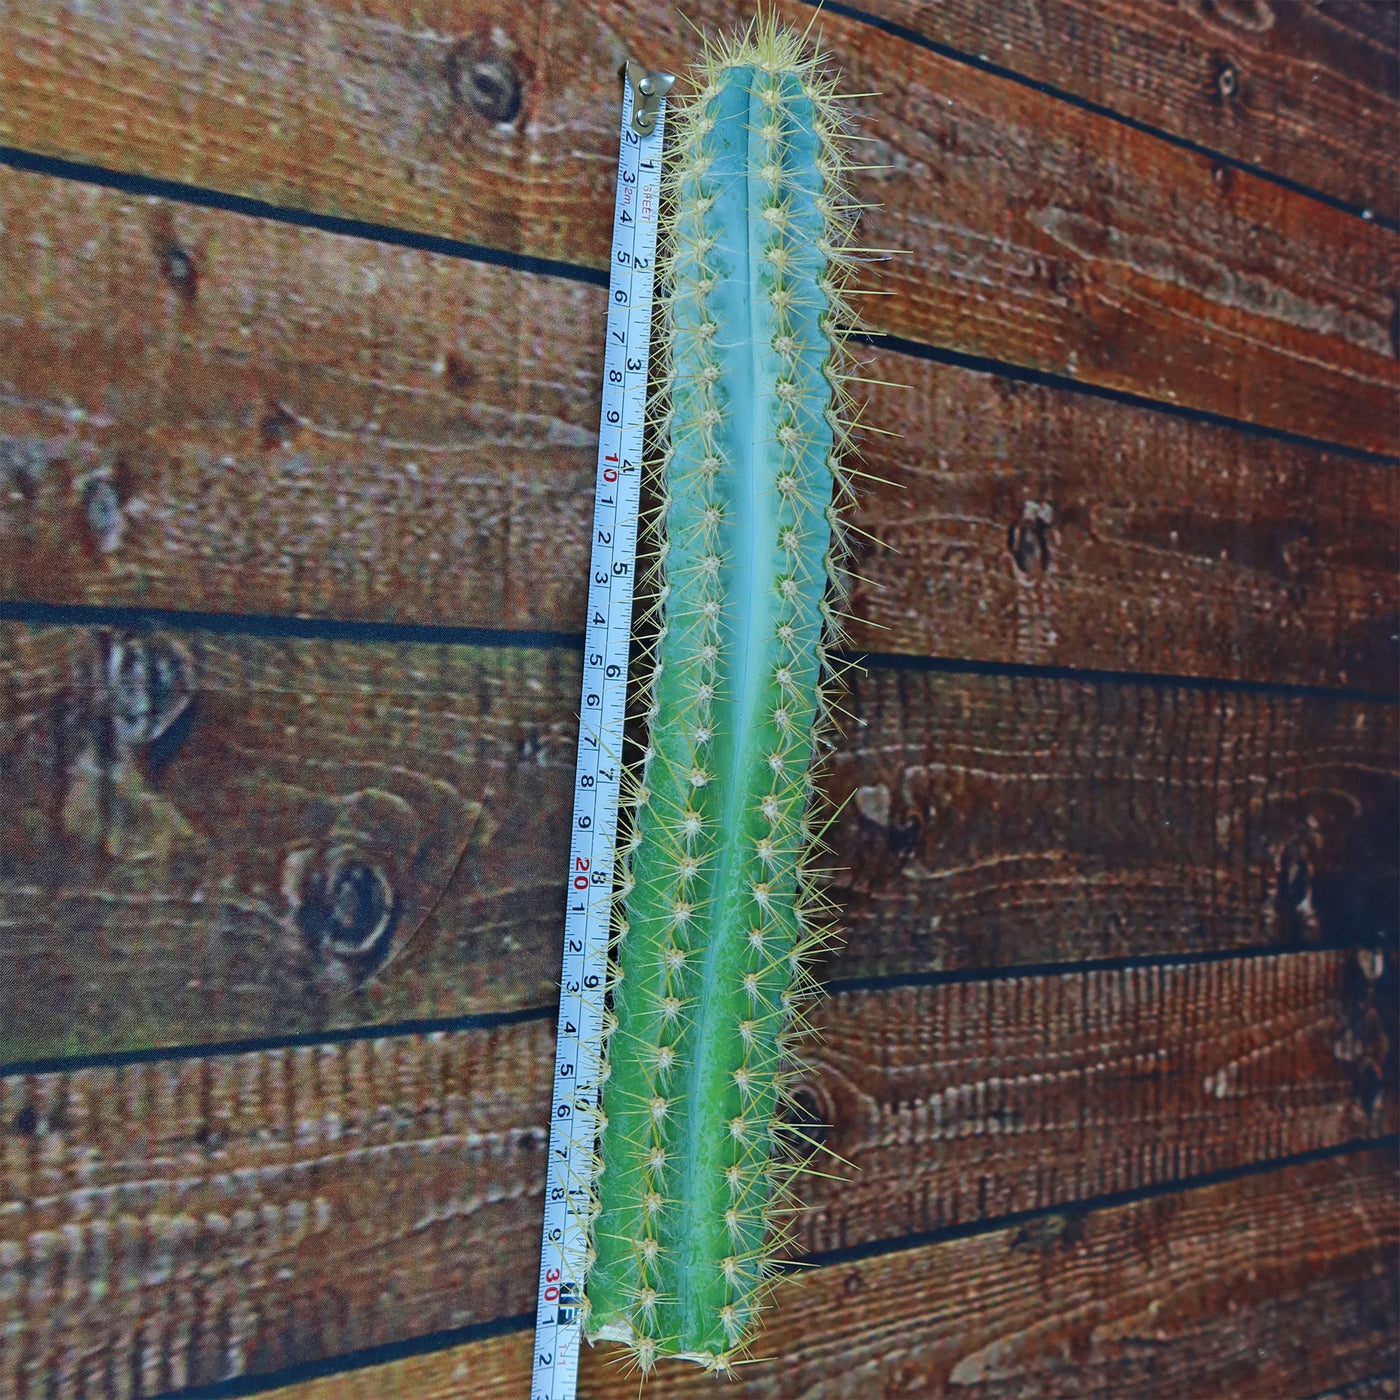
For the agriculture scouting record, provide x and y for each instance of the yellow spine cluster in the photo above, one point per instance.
(719, 911)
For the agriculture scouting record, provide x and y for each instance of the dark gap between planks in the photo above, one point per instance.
(44, 615)
(490, 1020)
(202, 197)
(279, 625)
(985, 65)
(433, 1342)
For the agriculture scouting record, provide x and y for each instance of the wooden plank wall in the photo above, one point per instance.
(296, 433)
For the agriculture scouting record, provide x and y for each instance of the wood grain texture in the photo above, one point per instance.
(316, 1200)
(204, 839)
(1033, 231)
(211, 837)
(963, 1102)
(202, 410)
(991, 819)
(1304, 90)
(177, 1223)
(325, 426)
(1025, 524)
(1262, 1288)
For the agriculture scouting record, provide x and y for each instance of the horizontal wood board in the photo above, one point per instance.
(206, 412)
(205, 839)
(192, 1219)
(1267, 1287)
(1306, 91)
(964, 1102)
(1029, 229)
(208, 838)
(224, 837)
(1003, 819)
(178, 1223)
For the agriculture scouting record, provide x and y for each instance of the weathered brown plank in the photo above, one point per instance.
(315, 1200)
(179, 886)
(1261, 1288)
(991, 820)
(295, 422)
(1035, 231)
(280, 837)
(175, 1223)
(961, 1102)
(1030, 525)
(218, 451)
(1289, 86)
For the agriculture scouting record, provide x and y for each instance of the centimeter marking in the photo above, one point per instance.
(573, 1119)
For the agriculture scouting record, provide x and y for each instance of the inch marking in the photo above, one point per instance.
(573, 1117)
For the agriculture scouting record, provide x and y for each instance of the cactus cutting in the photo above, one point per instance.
(718, 911)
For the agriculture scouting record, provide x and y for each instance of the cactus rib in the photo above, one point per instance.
(718, 910)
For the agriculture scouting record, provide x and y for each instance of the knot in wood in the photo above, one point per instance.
(486, 80)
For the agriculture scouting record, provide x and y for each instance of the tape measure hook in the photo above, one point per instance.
(648, 91)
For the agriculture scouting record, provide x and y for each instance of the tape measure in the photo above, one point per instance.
(573, 1121)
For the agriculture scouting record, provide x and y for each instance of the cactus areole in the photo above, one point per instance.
(717, 909)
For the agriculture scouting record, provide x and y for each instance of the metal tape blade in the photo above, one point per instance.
(607, 638)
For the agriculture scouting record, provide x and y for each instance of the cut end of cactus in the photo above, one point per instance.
(614, 1332)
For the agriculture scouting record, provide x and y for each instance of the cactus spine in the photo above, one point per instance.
(717, 911)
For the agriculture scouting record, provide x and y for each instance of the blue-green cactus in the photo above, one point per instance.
(717, 910)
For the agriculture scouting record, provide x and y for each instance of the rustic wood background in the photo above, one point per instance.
(297, 413)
